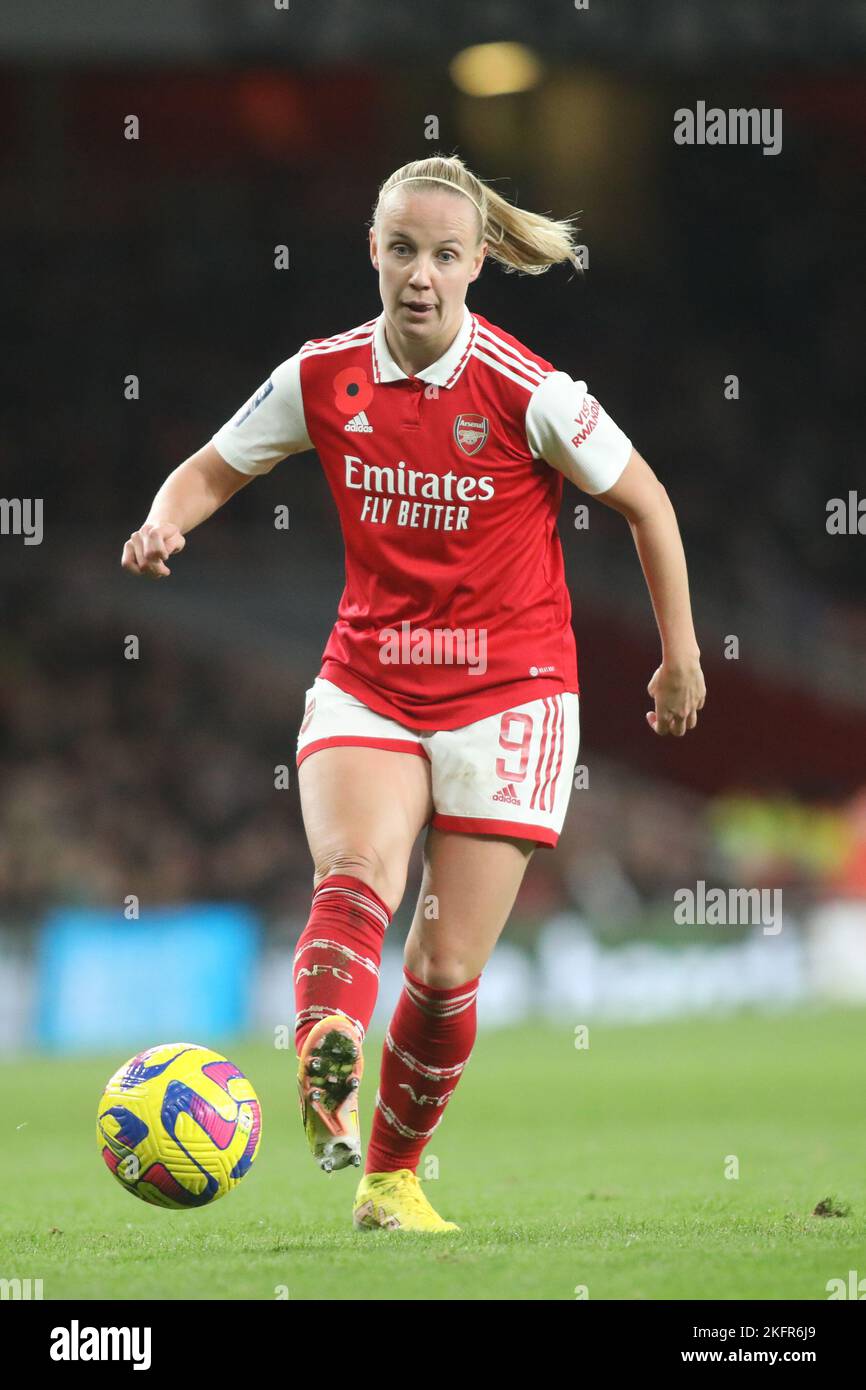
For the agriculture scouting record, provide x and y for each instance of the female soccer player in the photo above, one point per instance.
(448, 692)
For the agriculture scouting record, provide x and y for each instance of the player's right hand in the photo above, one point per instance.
(147, 550)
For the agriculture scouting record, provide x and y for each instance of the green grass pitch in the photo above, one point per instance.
(601, 1167)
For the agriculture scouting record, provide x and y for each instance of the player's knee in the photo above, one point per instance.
(369, 866)
(440, 970)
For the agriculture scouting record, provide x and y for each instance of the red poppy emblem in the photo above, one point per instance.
(352, 390)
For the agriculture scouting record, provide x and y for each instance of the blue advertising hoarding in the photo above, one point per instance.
(178, 972)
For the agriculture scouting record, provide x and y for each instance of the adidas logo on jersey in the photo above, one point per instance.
(507, 793)
(359, 424)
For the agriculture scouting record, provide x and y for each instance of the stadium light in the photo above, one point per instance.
(495, 69)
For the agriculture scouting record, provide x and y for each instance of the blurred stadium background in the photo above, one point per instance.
(263, 126)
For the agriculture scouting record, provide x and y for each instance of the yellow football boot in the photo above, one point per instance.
(330, 1067)
(395, 1202)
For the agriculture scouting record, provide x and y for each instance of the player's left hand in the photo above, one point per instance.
(679, 691)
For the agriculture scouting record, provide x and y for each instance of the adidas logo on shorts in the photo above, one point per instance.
(507, 793)
(359, 423)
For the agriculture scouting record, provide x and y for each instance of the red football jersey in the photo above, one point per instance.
(448, 486)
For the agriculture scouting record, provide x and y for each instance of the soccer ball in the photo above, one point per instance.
(179, 1125)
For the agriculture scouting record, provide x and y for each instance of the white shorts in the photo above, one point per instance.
(506, 774)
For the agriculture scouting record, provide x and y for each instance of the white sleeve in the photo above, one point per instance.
(270, 426)
(568, 428)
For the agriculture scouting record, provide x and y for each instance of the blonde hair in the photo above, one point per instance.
(522, 241)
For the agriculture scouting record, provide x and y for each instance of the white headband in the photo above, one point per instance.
(434, 178)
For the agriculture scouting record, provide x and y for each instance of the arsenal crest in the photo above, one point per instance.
(470, 432)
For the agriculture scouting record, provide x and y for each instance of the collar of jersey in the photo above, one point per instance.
(443, 372)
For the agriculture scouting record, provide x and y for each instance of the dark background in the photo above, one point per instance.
(155, 257)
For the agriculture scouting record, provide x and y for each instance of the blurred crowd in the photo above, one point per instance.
(153, 777)
(157, 777)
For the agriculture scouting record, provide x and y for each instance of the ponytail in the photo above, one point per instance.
(522, 241)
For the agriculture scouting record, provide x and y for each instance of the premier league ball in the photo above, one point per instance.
(179, 1125)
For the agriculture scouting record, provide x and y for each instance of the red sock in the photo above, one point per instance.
(336, 964)
(427, 1045)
